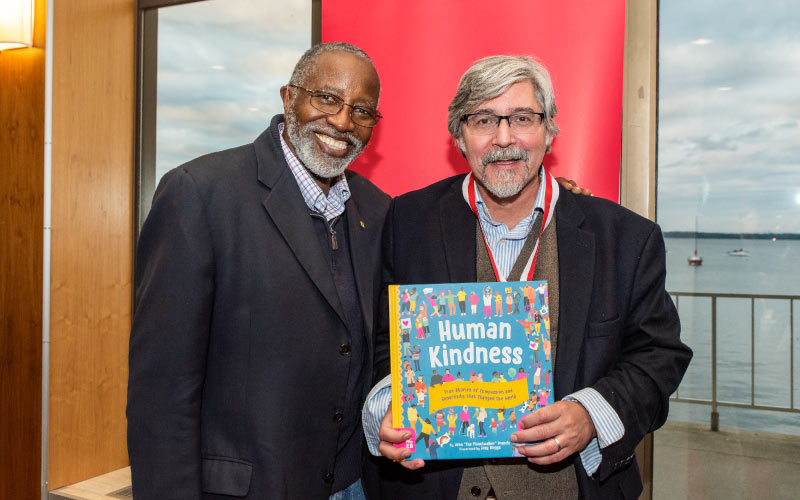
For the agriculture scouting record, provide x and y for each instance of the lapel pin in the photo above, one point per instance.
(362, 225)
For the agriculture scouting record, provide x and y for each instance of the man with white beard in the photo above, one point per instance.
(256, 275)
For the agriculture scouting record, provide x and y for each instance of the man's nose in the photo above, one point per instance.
(341, 120)
(504, 136)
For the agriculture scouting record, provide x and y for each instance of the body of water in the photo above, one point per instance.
(755, 349)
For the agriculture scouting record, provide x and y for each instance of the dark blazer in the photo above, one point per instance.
(618, 329)
(237, 371)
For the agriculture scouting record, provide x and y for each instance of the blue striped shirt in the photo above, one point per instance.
(506, 244)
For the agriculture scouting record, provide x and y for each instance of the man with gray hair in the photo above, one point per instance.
(256, 286)
(614, 330)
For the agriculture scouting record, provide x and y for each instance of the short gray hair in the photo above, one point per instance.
(307, 61)
(488, 78)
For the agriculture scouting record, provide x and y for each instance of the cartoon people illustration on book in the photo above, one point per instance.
(451, 422)
(409, 373)
(464, 416)
(527, 293)
(451, 303)
(498, 301)
(436, 444)
(439, 420)
(541, 293)
(420, 398)
(415, 357)
(537, 319)
(480, 417)
(441, 301)
(436, 379)
(533, 402)
(462, 301)
(473, 302)
(419, 327)
(440, 336)
(419, 385)
(405, 305)
(413, 416)
(487, 302)
(547, 347)
(432, 301)
(405, 336)
(527, 326)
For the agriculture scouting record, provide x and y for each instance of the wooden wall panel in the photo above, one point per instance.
(21, 209)
(93, 117)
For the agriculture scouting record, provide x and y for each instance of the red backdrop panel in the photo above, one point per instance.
(422, 47)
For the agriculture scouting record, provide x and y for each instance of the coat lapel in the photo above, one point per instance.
(457, 226)
(285, 206)
(576, 255)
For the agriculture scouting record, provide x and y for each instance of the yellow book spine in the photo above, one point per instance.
(397, 375)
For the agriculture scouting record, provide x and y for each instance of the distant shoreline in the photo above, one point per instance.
(732, 236)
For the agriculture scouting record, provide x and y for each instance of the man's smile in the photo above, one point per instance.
(331, 142)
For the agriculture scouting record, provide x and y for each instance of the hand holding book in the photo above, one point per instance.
(559, 430)
(391, 438)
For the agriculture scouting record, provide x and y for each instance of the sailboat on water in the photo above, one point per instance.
(695, 259)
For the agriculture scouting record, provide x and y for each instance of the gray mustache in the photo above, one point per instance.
(505, 154)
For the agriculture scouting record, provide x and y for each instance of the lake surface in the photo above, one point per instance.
(755, 349)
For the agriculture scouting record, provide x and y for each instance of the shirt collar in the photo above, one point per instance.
(330, 206)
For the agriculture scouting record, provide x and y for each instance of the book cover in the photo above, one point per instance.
(469, 360)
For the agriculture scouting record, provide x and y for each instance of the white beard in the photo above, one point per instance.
(309, 154)
(506, 183)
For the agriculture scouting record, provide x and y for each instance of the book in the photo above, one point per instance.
(468, 361)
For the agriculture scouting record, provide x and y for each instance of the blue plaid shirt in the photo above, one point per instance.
(330, 206)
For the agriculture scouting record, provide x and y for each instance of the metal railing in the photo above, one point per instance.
(714, 400)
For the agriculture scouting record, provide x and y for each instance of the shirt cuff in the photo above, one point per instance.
(607, 424)
(373, 411)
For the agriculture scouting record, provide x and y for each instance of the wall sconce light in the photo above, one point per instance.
(16, 24)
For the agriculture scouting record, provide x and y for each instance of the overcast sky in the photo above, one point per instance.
(729, 105)
(221, 64)
(729, 116)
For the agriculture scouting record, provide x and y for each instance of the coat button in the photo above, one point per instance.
(475, 491)
(329, 477)
(338, 416)
(344, 349)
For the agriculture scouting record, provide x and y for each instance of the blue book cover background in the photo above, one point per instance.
(469, 360)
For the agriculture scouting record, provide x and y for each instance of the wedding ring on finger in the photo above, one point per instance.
(557, 443)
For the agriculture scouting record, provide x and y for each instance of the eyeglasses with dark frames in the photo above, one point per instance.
(331, 104)
(486, 123)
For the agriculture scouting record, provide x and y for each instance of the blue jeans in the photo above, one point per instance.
(352, 492)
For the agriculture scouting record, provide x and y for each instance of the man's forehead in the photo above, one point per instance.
(518, 97)
(338, 70)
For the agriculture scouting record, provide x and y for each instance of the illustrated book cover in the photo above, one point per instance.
(469, 360)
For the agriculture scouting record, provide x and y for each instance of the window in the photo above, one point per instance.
(210, 77)
(729, 206)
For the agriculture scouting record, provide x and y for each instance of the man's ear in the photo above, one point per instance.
(286, 98)
(462, 147)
